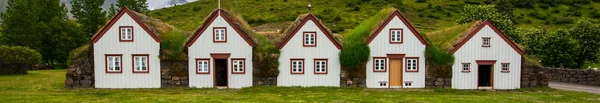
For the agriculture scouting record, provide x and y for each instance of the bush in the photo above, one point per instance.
(265, 58)
(439, 62)
(17, 59)
(171, 47)
(595, 14)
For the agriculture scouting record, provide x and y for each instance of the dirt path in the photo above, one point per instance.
(575, 87)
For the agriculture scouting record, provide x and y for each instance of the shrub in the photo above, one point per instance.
(439, 62)
(595, 14)
(171, 47)
(17, 59)
(265, 58)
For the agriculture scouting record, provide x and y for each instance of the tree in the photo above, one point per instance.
(135, 5)
(43, 26)
(554, 49)
(89, 14)
(489, 12)
(587, 34)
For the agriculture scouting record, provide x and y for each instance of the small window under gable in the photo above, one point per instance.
(466, 67)
(309, 39)
(126, 33)
(396, 36)
(486, 42)
(219, 34)
(505, 67)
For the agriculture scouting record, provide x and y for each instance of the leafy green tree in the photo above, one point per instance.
(587, 34)
(554, 49)
(89, 14)
(489, 12)
(135, 5)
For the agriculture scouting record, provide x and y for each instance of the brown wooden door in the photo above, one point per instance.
(395, 73)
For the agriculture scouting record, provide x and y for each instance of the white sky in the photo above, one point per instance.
(157, 4)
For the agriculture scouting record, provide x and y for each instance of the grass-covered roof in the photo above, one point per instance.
(364, 30)
(448, 37)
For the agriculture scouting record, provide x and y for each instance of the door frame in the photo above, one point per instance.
(491, 63)
(395, 56)
(216, 56)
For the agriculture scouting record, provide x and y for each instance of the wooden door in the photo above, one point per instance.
(395, 73)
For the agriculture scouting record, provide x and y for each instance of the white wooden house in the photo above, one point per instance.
(309, 55)
(220, 53)
(397, 55)
(486, 59)
(126, 53)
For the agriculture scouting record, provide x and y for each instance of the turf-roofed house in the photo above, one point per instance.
(126, 52)
(309, 55)
(220, 52)
(397, 54)
(485, 58)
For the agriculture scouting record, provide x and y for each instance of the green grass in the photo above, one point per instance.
(446, 37)
(47, 86)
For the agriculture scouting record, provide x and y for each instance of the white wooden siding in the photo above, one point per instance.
(411, 46)
(324, 49)
(499, 50)
(142, 43)
(235, 45)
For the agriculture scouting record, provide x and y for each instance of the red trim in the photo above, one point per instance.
(462, 67)
(326, 65)
(395, 56)
(504, 71)
(303, 67)
(483, 43)
(209, 21)
(304, 39)
(215, 39)
(384, 66)
(147, 63)
(485, 62)
(406, 64)
(321, 27)
(244, 63)
(220, 55)
(120, 63)
(401, 36)
(121, 34)
(399, 15)
(207, 65)
(487, 22)
(116, 18)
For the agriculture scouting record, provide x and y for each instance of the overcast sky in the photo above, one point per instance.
(157, 4)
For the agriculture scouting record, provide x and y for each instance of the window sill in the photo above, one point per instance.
(485, 46)
(412, 70)
(297, 73)
(395, 42)
(115, 72)
(379, 71)
(141, 71)
(202, 72)
(504, 71)
(466, 71)
(309, 45)
(321, 73)
(238, 72)
(125, 40)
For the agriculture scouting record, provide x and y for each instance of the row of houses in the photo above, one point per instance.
(126, 55)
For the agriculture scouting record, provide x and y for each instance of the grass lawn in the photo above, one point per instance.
(47, 86)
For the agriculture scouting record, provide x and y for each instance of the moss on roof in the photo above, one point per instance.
(297, 23)
(362, 32)
(156, 26)
(448, 37)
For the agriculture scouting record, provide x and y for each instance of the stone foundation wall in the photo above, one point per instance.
(174, 74)
(269, 81)
(81, 73)
(578, 76)
(438, 82)
(358, 81)
(533, 77)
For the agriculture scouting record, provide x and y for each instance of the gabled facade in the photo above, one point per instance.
(309, 55)
(126, 53)
(486, 59)
(220, 54)
(397, 55)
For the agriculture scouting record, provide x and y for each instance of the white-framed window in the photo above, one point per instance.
(220, 34)
(238, 66)
(407, 83)
(202, 66)
(411, 65)
(126, 33)
(486, 41)
(113, 64)
(320, 66)
(297, 66)
(140, 63)
(379, 64)
(466, 67)
(396, 35)
(383, 83)
(505, 67)
(310, 39)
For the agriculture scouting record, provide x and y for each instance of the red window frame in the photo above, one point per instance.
(507, 68)
(303, 65)
(147, 63)
(384, 66)
(121, 34)
(462, 67)
(243, 68)
(326, 65)
(106, 63)
(214, 34)
(401, 36)
(304, 39)
(406, 64)
(483, 41)
(207, 65)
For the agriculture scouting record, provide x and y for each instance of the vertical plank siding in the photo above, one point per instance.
(499, 50)
(204, 46)
(143, 44)
(411, 46)
(324, 49)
